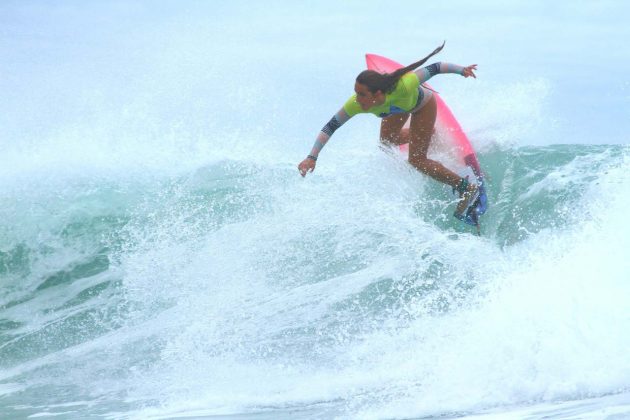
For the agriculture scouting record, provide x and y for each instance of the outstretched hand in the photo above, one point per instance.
(307, 165)
(470, 71)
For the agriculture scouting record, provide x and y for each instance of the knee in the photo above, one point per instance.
(390, 139)
(419, 160)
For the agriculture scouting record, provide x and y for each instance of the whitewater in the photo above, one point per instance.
(161, 257)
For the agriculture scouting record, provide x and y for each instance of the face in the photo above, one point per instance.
(367, 99)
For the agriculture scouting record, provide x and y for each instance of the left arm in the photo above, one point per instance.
(340, 118)
(425, 73)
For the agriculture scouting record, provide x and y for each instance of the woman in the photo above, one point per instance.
(395, 97)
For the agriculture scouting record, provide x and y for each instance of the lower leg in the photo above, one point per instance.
(435, 170)
(420, 133)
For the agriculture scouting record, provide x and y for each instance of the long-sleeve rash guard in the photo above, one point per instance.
(408, 95)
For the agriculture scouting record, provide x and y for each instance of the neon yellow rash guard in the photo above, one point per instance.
(402, 99)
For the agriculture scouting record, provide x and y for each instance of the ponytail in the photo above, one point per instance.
(386, 82)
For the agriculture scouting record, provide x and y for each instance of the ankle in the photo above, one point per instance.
(462, 187)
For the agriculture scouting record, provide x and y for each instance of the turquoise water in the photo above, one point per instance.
(161, 257)
(224, 290)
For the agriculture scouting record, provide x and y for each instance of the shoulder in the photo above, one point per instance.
(410, 77)
(407, 83)
(410, 80)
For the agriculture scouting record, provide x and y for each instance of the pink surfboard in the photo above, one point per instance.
(450, 140)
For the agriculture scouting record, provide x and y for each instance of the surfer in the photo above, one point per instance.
(395, 97)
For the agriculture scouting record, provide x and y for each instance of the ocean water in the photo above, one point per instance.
(160, 256)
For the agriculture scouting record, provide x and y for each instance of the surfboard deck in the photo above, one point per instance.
(450, 144)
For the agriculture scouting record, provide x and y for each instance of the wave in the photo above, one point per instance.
(353, 291)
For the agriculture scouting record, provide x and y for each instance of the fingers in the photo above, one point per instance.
(305, 167)
(470, 71)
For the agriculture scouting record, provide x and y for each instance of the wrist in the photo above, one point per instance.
(311, 157)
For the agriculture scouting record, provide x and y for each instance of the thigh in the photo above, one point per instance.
(421, 130)
(390, 128)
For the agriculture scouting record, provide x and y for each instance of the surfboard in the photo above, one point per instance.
(449, 145)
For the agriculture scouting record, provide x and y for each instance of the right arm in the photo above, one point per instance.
(308, 164)
(425, 73)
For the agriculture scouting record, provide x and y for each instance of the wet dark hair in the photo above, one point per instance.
(386, 82)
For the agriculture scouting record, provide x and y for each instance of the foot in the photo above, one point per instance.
(468, 194)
